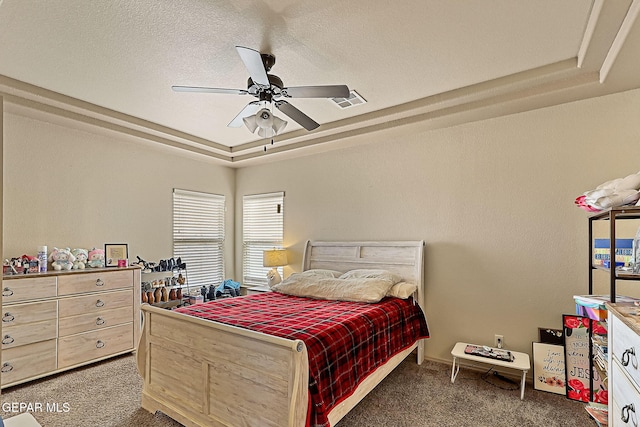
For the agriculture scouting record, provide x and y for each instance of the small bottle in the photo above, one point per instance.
(42, 257)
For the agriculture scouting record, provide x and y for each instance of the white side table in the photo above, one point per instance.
(520, 362)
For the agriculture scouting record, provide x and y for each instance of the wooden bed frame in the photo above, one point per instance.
(203, 373)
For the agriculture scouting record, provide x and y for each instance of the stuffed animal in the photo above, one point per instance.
(62, 259)
(96, 258)
(82, 256)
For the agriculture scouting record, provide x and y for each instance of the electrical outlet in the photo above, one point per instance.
(499, 341)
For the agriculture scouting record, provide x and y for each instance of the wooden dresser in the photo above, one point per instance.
(56, 321)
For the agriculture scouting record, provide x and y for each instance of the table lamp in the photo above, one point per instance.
(274, 258)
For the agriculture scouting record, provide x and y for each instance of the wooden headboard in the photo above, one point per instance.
(405, 258)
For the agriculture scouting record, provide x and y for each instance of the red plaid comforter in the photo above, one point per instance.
(346, 341)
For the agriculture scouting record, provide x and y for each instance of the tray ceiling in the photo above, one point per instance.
(113, 63)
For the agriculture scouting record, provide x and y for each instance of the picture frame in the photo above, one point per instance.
(114, 252)
(549, 373)
(551, 336)
(583, 382)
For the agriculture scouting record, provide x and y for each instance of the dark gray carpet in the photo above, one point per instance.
(108, 394)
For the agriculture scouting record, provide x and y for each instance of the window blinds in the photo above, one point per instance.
(262, 229)
(198, 235)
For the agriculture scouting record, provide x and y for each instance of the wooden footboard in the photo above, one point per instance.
(203, 373)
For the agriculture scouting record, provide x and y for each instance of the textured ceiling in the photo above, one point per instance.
(116, 61)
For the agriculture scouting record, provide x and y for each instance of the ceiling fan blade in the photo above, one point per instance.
(335, 91)
(253, 61)
(249, 109)
(209, 90)
(296, 115)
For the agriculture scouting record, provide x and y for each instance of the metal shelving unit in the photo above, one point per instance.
(597, 341)
(612, 215)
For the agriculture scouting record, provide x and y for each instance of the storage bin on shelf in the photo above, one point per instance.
(593, 306)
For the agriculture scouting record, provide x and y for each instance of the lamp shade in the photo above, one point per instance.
(274, 258)
(265, 122)
(250, 123)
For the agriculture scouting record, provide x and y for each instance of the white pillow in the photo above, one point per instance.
(372, 274)
(322, 272)
(402, 290)
(354, 289)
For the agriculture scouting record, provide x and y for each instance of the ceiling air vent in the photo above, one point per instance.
(353, 99)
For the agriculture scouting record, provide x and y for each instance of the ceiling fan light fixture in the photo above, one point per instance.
(265, 122)
(264, 119)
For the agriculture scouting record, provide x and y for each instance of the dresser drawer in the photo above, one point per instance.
(87, 322)
(28, 361)
(13, 336)
(80, 348)
(624, 395)
(91, 282)
(92, 304)
(28, 288)
(626, 348)
(21, 314)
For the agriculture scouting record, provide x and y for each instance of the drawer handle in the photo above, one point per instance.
(625, 356)
(6, 367)
(624, 414)
(8, 317)
(99, 282)
(100, 344)
(7, 292)
(8, 339)
(100, 321)
(99, 303)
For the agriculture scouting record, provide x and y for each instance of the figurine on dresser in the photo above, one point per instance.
(96, 258)
(82, 256)
(62, 259)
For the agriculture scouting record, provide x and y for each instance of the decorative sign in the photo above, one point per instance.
(580, 371)
(548, 368)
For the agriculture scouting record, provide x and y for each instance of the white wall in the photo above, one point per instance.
(72, 185)
(506, 247)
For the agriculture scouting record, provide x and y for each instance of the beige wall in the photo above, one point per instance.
(72, 185)
(506, 247)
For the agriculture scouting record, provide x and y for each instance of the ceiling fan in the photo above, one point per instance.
(269, 88)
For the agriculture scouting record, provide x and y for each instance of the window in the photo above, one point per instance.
(198, 235)
(262, 228)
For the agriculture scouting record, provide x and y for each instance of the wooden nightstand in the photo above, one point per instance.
(257, 290)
